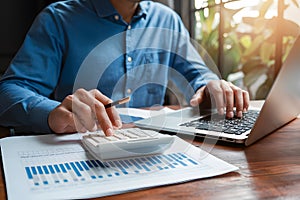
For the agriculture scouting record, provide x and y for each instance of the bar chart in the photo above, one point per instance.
(47, 172)
(58, 167)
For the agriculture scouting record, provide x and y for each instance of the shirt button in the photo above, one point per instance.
(129, 59)
(129, 91)
(117, 17)
(129, 27)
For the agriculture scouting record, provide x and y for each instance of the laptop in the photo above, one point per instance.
(281, 106)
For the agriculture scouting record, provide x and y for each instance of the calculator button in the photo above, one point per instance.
(130, 135)
(120, 136)
(99, 139)
(91, 141)
(111, 138)
(138, 133)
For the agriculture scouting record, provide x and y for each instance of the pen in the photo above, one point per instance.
(118, 102)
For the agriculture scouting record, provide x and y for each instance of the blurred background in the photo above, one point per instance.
(248, 40)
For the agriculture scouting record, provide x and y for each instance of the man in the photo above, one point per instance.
(80, 54)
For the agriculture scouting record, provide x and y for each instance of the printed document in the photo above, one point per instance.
(58, 167)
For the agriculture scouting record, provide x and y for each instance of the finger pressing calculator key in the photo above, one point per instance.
(126, 143)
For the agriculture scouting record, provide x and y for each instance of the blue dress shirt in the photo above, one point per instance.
(86, 44)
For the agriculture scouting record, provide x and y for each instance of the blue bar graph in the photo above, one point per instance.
(84, 165)
(56, 168)
(67, 166)
(47, 174)
(75, 169)
(51, 169)
(63, 168)
(29, 175)
(45, 169)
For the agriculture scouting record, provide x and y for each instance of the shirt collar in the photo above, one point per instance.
(105, 9)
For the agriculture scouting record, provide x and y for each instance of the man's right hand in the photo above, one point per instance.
(84, 111)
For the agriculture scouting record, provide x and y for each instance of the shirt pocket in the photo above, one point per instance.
(152, 65)
(154, 56)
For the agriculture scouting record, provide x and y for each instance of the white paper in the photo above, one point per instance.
(142, 112)
(36, 167)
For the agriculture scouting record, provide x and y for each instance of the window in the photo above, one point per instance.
(248, 40)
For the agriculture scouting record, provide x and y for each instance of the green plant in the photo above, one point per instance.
(209, 38)
(251, 52)
(258, 47)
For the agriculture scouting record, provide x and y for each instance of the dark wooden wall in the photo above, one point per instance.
(16, 17)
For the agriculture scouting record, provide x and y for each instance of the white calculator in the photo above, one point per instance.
(126, 143)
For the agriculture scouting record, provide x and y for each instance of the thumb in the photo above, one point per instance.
(198, 97)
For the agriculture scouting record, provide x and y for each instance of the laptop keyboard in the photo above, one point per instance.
(219, 123)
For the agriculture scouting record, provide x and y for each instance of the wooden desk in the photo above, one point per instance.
(269, 169)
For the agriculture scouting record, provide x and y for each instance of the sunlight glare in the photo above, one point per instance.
(199, 4)
(241, 4)
(248, 9)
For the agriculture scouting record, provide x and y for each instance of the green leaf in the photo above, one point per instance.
(211, 2)
(211, 19)
(245, 41)
(288, 43)
(255, 45)
(202, 17)
(267, 52)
